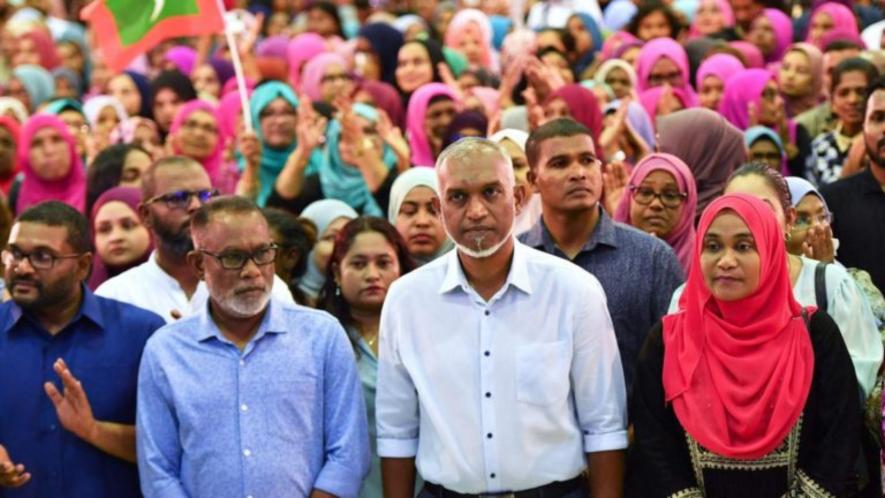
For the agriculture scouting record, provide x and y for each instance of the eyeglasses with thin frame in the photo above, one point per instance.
(40, 259)
(181, 199)
(669, 198)
(804, 222)
(236, 260)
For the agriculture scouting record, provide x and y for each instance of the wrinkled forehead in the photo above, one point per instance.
(474, 171)
(234, 231)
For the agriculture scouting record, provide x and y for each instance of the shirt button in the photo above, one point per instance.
(488, 312)
(489, 435)
(247, 452)
(242, 363)
(488, 353)
(492, 475)
(488, 395)
(244, 408)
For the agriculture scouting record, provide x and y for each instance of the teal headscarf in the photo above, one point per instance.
(60, 105)
(344, 182)
(272, 160)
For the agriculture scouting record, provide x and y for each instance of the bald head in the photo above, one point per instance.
(174, 165)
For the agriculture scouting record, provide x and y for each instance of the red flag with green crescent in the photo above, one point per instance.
(128, 28)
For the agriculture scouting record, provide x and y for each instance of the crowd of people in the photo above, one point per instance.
(448, 248)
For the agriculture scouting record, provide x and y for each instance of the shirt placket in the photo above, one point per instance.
(53, 349)
(246, 423)
(489, 395)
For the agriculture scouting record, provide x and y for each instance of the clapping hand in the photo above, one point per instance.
(72, 406)
(615, 178)
(12, 475)
(818, 243)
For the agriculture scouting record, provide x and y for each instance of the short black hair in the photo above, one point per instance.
(855, 64)
(230, 204)
(840, 44)
(648, 8)
(106, 171)
(330, 9)
(149, 177)
(294, 233)
(562, 127)
(772, 177)
(565, 36)
(59, 214)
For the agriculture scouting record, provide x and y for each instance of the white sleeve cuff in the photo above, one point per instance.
(605, 442)
(402, 448)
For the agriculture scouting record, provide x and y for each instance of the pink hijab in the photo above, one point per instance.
(457, 27)
(100, 271)
(842, 16)
(741, 89)
(45, 48)
(71, 189)
(301, 49)
(722, 66)
(724, 11)
(652, 97)
(783, 33)
(657, 49)
(422, 154)
(751, 53)
(613, 43)
(212, 163)
(682, 237)
(312, 76)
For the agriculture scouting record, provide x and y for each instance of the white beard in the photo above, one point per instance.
(480, 253)
(243, 307)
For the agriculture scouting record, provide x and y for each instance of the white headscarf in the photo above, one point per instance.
(405, 183)
(93, 107)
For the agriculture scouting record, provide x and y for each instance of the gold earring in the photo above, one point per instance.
(787, 236)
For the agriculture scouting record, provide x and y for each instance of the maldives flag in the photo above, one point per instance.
(125, 29)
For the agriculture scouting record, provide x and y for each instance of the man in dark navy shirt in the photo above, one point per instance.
(68, 366)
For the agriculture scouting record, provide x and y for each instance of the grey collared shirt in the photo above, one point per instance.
(637, 271)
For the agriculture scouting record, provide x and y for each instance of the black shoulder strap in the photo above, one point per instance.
(820, 286)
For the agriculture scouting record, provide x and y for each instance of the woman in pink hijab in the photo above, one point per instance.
(52, 169)
(772, 33)
(661, 199)
(663, 100)
(664, 61)
(36, 47)
(303, 48)
(327, 76)
(828, 17)
(801, 78)
(711, 78)
(753, 58)
(470, 32)
(426, 129)
(711, 17)
(195, 133)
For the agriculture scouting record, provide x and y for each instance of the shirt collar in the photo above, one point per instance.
(870, 184)
(89, 308)
(273, 323)
(517, 277)
(605, 233)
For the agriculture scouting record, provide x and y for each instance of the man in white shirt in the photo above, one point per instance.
(499, 371)
(172, 190)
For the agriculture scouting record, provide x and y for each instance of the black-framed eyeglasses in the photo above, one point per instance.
(182, 198)
(40, 259)
(645, 196)
(235, 260)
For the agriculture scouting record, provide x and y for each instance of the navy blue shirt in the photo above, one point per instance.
(637, 271)
(102, 347)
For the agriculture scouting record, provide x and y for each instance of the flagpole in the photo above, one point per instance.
(238, 69)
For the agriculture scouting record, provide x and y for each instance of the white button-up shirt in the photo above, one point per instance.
(149, 287)
(504, 395)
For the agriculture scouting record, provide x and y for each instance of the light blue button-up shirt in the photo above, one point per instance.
(282, 417)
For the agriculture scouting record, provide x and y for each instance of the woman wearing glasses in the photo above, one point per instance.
(661, 199)
(194, 134)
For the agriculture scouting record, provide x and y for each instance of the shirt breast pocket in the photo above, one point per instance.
(542, 373)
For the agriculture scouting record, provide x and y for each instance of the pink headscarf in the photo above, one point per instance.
(275, 46)
(657, 49)
(741, 89)
(842, 16)
(682, 237)
(212, 163)
(751, 53)
(783, 33)
(583, 107)
(231, 86)
(422, 154)
(722, 66)
(301, 49)
(724, 10)
(230, 108)
(183, 57)
(71, 189)
(652, 97)
(312, 77)
(131, 197)
(386, 98)
(45, 47)
(614, 42)
(459, 24)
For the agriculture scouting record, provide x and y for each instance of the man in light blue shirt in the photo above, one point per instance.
(250, 397)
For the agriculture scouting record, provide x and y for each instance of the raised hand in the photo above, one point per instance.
(818, 243)
(72, 406)
(394, 138)
(12, 475)
(614, 178)
(311, 126)
(250, 147)
(445, 73)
